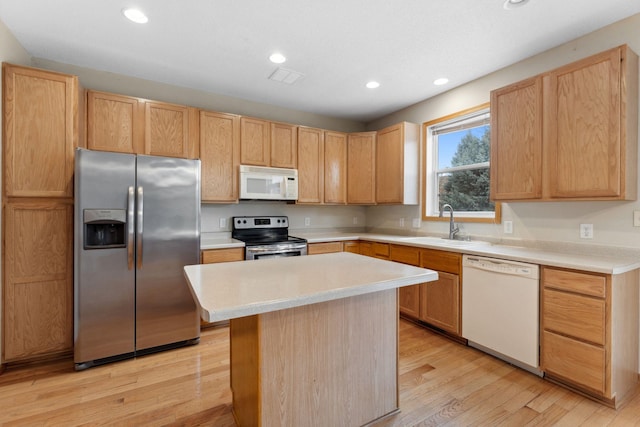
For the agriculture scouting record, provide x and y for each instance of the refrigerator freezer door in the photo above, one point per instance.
(104, 288)
(168, 192)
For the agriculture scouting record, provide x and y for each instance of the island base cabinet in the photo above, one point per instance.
(327, 364)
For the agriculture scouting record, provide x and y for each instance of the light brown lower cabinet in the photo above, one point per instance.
(212, 256)
(589, 332)
(438, 302)
(38, 284)
(324, 248)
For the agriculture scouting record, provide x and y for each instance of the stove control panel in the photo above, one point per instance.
(248, 222)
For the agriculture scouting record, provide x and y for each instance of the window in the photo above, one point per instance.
(457, 166)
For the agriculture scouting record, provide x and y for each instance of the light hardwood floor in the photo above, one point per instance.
(441, 383)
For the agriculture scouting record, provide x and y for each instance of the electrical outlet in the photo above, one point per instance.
(401, 222)
(636, 218)
(307, 221)
(355, 220)
(508, 227)
(586, 231)
(416, 223)
(223, 223)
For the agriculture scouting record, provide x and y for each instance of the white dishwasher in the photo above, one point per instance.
(500, 309)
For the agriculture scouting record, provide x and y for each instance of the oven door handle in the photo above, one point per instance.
(276, 248)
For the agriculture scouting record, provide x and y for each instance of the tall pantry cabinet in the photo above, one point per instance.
(40, 132)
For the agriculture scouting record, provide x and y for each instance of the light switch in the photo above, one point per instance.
(223, 223)
(508, 227)
(636, 218)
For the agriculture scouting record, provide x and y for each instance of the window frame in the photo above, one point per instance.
(428, 169)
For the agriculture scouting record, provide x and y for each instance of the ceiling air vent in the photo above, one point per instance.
(283, 75)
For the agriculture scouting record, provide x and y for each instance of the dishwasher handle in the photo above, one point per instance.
(494, 265)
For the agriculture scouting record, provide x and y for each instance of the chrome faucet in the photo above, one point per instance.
(453, 230)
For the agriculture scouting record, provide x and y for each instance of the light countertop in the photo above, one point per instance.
(236, 289)
(613, 262)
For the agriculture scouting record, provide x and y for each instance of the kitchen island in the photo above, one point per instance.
(314, 340)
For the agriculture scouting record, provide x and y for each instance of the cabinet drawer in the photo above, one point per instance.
(381, 250)
(405, 254)
(581, 363)
(588, 284)
(353, 247)
(575, 315)
(324, 248)
(222, 255)
(441, 260)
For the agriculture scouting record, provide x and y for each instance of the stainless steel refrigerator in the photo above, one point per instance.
(137, 224)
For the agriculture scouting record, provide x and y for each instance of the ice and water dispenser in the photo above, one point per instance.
(104, 228)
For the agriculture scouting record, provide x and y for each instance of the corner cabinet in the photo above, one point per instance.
(589, 332)
(397, 164)
(219, 156)
(42, 111)
(569, 134)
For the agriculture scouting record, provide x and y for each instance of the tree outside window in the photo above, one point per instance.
(457, 159)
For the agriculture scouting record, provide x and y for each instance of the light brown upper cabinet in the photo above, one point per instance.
(127, 124)
(310, 165)
(41, 130)
(219, 156)
(284, 146)
(361, 168)
(170, 130)
(335, 167)
(397, 164)
(255, 141)
(114, 123)
(569, 134)
(516, 141)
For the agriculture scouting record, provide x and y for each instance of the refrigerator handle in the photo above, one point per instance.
(130, 227)
(139, 226)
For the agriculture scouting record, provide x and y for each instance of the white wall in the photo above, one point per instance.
(556, 222)
(321, 217)
(127, 85)
(10, 51)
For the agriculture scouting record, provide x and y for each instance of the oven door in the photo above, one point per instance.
(275, 250)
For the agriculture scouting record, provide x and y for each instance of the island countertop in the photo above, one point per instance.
(236, 289)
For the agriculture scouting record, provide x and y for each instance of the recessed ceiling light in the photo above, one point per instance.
(135, 15)
(373, 85)
(512, 4)
(277, 58)
(441, 81)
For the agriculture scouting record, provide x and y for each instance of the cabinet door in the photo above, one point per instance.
(581, 363)
(310, 165)
(284, 146)
(40, 132)
(38, 287)
(441, 302)
(114, 123)
(516, 141)
(582, 117)
(167, 130)
(361, 168)
(255, 146)
(409, 300)
(390, 165)
(335, 167)
(219, 156)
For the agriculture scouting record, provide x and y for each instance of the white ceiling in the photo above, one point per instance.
(222, 46)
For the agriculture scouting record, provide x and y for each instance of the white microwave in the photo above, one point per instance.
(262, 183)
